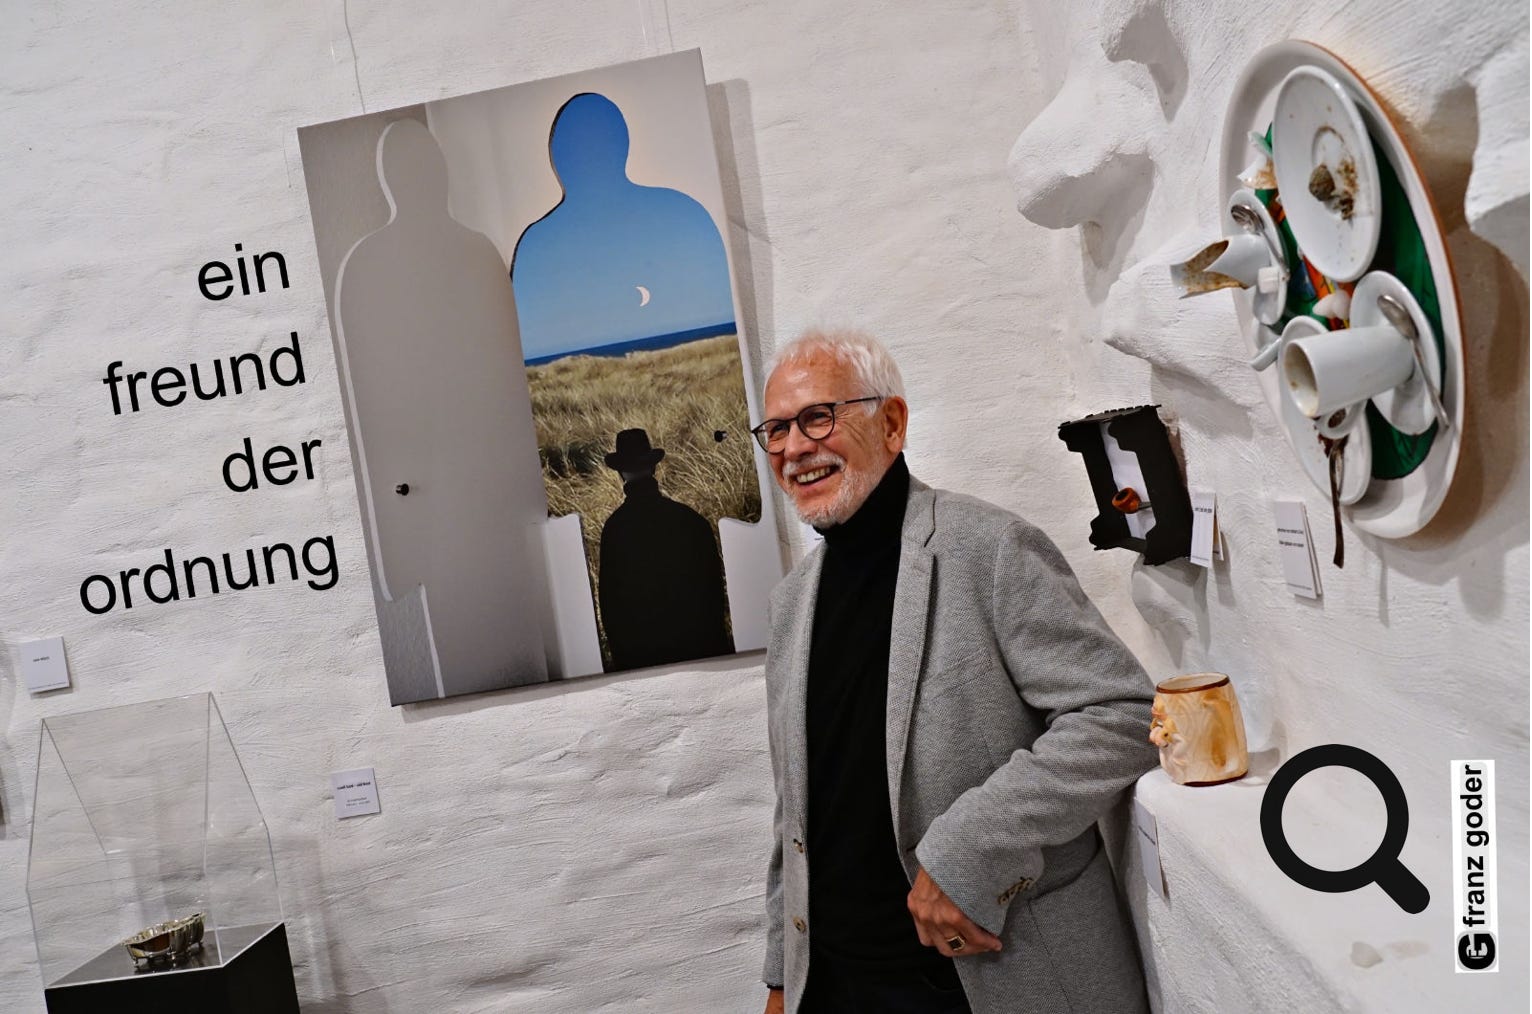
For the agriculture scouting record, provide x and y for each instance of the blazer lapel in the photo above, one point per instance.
(907, 643)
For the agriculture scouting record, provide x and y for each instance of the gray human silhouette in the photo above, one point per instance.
(439, 398)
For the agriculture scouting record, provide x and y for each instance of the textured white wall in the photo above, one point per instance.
(1418, 651)
(599, 846)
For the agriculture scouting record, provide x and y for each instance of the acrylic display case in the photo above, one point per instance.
(142, 815)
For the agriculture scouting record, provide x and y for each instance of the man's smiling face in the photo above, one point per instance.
(829, 479)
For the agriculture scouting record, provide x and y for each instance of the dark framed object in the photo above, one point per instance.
(256, 977)
(1165, 503)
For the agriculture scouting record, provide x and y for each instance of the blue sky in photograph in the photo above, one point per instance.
(580, 273)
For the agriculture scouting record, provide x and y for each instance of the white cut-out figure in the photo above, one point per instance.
(433, 361)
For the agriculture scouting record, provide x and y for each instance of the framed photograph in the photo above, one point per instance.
(546, 379)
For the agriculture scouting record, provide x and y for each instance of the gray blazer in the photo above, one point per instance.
(1015, 719)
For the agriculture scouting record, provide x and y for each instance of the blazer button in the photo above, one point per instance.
(800, 925)
(798, 845)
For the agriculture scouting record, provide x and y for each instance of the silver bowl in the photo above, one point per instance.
(170, 941)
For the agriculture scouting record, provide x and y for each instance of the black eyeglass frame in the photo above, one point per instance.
(765, 441)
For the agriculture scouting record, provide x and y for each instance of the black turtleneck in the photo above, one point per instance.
(857, 885)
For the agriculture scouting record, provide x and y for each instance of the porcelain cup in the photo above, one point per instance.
(1334, 370)
(1243, 258)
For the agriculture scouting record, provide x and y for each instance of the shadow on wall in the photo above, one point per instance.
(1493, 464)
(1493, 461)
(730, 111)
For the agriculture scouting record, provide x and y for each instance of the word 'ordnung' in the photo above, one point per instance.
(163, 582)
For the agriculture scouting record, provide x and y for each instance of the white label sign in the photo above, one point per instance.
(356, 793)
(1299, 569)
(1148, 834)
(1204, 527)
(43, 666)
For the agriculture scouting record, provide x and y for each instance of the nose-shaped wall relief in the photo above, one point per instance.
(1089, 160)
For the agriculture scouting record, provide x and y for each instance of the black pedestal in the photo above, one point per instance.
(256, 977)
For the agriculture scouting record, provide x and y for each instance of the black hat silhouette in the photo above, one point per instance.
(633, 452)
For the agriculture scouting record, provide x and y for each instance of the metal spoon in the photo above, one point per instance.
(1245, 217)
(1400, 318)
(1249, 219)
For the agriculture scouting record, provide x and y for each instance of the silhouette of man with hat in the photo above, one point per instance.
(661, 585)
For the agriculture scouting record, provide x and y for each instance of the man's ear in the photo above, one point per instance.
(896, 416)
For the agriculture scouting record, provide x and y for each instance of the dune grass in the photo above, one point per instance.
(682, 396)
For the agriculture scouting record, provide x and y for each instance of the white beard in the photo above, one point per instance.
(855, 488)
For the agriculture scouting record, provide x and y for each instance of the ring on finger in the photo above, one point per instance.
(956, 942)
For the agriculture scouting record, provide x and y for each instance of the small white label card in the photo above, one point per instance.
(42, 664)
(1299, 569)
(1147, 830)
(1205, 540)
(356, 793)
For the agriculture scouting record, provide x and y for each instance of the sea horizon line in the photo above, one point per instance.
(649, 344)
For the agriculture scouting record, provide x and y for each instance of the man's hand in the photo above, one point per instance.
(774, 1002)
(938, 920)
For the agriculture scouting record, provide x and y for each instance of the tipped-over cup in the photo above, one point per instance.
(1331, 371)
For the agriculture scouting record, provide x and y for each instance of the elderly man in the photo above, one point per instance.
(949, 716)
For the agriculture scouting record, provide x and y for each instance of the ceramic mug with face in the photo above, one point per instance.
(1199, 730)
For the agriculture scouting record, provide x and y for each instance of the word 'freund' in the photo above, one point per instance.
(168, 385)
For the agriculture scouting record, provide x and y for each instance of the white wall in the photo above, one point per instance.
(599, 846)
(1418, 650)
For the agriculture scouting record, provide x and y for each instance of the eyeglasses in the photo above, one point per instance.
(815, 422)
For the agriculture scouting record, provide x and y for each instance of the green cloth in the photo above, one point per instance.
(1402, 253)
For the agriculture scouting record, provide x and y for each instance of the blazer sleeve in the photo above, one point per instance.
(1066, 663)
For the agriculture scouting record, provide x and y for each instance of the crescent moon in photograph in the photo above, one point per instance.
(643, 294)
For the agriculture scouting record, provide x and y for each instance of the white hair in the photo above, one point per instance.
(861, 353)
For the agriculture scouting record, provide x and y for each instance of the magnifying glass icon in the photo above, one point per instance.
(1383, 866)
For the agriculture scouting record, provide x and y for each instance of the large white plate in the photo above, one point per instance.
(1316, 123)
(1391, 508)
